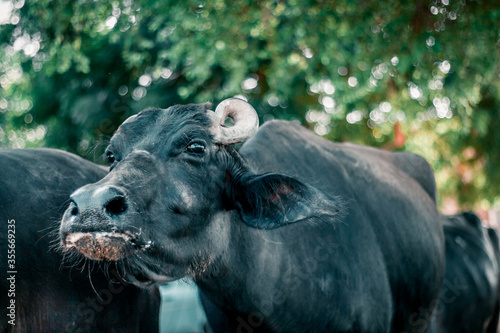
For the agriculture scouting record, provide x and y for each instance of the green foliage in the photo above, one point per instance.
(423, 77)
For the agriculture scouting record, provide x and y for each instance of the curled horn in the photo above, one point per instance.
(246, 121)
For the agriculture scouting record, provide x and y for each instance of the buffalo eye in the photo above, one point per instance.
(111, 157)
(196, 148)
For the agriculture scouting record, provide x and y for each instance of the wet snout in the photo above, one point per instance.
(107, 199)
(93, 223)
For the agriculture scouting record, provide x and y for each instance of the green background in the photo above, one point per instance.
(420, 76)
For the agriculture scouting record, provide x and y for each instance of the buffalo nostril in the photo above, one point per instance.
(73, 208)
(74, 211)
(116, 206)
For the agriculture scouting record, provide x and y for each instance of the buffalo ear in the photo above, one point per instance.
(273, 200)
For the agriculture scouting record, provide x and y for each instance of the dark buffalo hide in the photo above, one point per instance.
(469, 300)
(51, 295)
(293, 233)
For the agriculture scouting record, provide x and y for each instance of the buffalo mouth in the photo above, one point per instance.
(102, 245)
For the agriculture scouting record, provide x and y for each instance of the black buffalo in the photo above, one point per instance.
(470, 297)
(293, 233)
(39, 293)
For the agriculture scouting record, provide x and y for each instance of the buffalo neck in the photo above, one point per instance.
(248, 257)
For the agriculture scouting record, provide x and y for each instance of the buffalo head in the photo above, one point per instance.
(177, 190)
